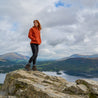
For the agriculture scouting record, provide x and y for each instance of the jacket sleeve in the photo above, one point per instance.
(31, 34)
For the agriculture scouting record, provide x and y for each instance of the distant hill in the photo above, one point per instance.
(13, 56)
(84, 56)
(79, 56)
(2, 60)
(79, 65)
(87, 67)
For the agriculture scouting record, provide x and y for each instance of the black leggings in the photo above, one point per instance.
(35, 49)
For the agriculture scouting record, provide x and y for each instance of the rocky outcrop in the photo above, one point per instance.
(36, 84)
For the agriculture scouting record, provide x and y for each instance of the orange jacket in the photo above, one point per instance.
(34, 35)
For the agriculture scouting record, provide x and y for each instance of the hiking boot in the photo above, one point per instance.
(27, 67)
(34, 68)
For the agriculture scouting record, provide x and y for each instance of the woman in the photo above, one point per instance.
(34, 35)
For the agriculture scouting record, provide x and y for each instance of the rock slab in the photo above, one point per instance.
(36, 84)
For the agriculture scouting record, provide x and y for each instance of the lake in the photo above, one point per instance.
(69, 78)
(2, 77)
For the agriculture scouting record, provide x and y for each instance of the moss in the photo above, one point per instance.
(20, 86)
(12, 78)
(91, 95)
(1, 86)
(17, 96)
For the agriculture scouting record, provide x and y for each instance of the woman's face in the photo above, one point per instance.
(35, 23)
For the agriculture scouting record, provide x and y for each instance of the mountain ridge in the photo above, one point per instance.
(79, 56)
(16, 56)
(13, 56)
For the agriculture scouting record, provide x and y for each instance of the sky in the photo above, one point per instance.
(68, 27)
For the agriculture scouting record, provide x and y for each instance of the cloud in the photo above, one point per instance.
(65, 30)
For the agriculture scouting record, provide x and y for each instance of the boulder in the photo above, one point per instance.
(36, 84)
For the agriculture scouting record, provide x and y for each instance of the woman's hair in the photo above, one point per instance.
(39, 25)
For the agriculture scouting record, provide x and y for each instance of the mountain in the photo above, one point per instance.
(84, 56)
(13, 56)
(77, 65)
(86, 67)
(79, 56)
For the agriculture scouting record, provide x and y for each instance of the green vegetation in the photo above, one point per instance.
(8, 66)
(1, 86)
(91, 95)
(73, 66)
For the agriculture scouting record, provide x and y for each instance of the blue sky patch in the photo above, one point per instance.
(60, 3)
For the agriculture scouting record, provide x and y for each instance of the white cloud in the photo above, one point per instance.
(65, 30)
